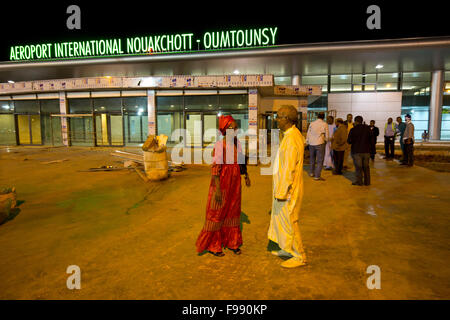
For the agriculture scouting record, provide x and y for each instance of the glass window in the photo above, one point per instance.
(387, 77)
(26, 106)
(81, 131)
(447, 75)
(167, 123)
(173, 103)
(7, 124)
(445, 125)
(135, 120)
(417, 76)
(204, 103)
(316, 80)
(370, 78)
(418, 106)
(233, 102)
(282, 81)
(134, 105)
(357, 79)
(341, 87)
(6, 107)
(341, 82)
(50, 106)
(340, 79)
(107, 104)
(387, 86)
(80, 105)
(321, 102)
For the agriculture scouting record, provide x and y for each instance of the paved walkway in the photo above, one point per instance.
(136, 241)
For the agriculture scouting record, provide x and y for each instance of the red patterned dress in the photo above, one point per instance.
(222, 225)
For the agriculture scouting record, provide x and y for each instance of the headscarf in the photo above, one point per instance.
(224, 123)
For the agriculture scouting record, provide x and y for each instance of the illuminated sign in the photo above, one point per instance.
(171, 43)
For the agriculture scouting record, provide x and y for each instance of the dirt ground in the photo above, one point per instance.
(134, 240)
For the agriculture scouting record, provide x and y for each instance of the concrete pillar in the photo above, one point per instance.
(437, 90)
(296, 80)
(63, 109)
(151, 109)
(253, 102)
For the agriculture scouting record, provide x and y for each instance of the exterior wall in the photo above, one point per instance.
(378, 106)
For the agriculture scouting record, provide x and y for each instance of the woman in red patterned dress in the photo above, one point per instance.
(223, 209)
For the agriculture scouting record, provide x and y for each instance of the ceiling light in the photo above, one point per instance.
(10, 81)
(236, 71)
(379, 66)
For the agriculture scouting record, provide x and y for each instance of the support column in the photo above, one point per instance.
(296, 80)
(253, 126)
(151, 110)
(437, 90)
(64, 123)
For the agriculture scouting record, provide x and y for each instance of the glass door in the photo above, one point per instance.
(193, 129)
(210, 127)
(29, 129)
(109, 129)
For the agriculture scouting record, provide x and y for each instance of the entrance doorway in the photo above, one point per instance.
(29, 129)
(108, 130)
(201, 128)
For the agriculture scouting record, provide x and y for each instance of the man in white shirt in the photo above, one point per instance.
(317, 138)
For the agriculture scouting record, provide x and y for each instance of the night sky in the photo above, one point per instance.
(297, 21)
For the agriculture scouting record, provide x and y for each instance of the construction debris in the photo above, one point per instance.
(128, 155)
(8, 201)
(131, 163)
(155, 157)
(141, 174)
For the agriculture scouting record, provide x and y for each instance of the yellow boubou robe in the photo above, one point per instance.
(288, 186)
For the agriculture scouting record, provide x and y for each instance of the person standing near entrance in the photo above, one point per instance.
(223, 209)
(288, 191)
(401, 126)
(360, 138)
(328, 159)
(349, 124)
(375, 134)
(317, 137)
(408, 140)
(389, 139)
(339, 144)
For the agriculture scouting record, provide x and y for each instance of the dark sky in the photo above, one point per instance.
(297, 21)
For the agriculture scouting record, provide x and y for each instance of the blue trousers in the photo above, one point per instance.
(316, 154)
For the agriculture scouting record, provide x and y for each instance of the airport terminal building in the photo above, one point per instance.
(116, 92)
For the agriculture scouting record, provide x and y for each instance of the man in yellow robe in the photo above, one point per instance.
(288, 191)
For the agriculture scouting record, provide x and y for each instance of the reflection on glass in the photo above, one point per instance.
(210, 128)
(194, 130)
(81, 131)
(35, 122)
(7, 129)
(101, 129)
(116, 130)
(23, 124)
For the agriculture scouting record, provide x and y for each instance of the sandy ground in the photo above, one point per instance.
(133, 240)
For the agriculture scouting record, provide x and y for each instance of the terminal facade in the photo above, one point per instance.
(118, 101)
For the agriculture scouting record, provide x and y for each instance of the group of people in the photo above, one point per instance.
(222, 224)
(330, 144)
